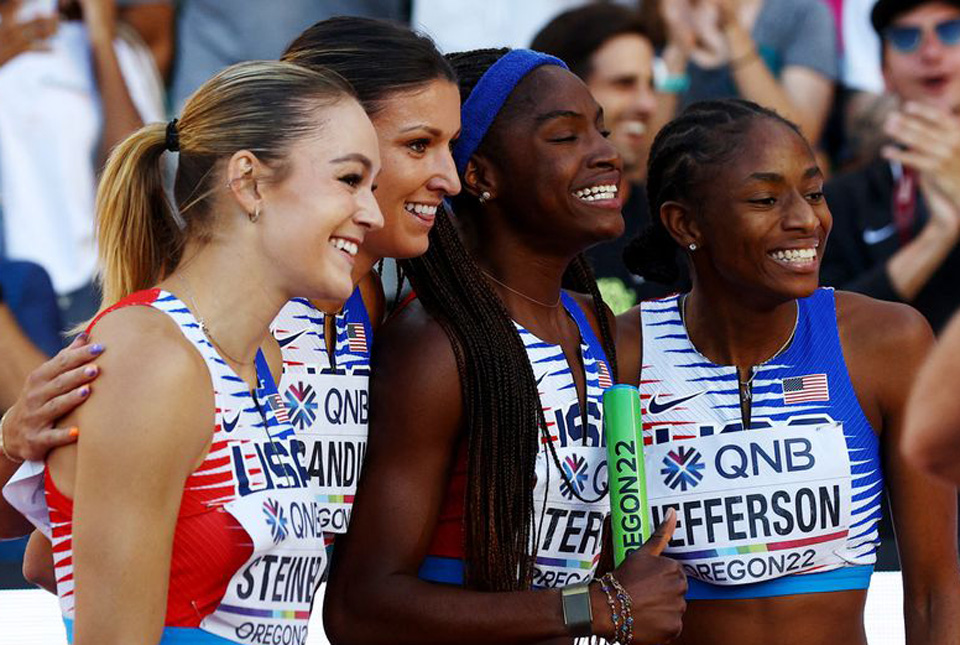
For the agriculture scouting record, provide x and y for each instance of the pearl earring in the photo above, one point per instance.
(484, 196)
(692, 246)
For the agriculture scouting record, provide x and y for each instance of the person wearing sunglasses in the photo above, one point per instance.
(897, 220)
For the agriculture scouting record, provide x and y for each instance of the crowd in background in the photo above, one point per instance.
(71, 87)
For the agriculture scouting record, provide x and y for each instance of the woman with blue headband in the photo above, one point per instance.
(480, 514)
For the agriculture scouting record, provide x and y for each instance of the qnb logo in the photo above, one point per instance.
(575, 476)
(302, 403)
(276, 520)
(683, 468)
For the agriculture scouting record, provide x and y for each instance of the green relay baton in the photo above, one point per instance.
(628, 483)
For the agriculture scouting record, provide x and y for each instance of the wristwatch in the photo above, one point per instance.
(577, 611)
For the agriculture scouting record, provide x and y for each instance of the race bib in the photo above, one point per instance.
(754, 505)
(268, 599)
(330, 415)
(570, 532)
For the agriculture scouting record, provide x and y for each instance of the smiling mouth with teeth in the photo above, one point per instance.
(794, 255)
(596, 193)
(348, 247)
(424, 210)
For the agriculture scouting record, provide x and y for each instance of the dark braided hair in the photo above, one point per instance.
(705, 136)
(503, 415)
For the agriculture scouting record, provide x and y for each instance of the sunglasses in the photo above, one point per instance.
(906, 39)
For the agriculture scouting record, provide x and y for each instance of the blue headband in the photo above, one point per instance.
(489, 95)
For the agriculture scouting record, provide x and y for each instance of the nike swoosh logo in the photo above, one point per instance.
(877, 235)
(228, 425)
(658, 407)
(283, 342)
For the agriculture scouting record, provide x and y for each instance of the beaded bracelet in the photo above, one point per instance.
(623, 618)
(614, 615)
(626, 611)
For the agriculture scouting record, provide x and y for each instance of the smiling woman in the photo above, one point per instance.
(769, 401)
(158, 516)
(485, 476)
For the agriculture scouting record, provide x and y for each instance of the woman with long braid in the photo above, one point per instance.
(485, 469)
(773, 408)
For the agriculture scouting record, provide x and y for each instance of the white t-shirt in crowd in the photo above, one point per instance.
(861, 56)
(50, 125)
(457, 26)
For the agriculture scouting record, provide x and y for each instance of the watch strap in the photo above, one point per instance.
(577, 611)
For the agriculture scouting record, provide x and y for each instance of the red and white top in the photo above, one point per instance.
(248, 548)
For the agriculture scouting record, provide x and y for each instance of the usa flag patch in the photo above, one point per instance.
(603, 375)
(357, 337)
(805, 389)
(279, 408)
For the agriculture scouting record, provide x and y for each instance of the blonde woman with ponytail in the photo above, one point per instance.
(182, 515)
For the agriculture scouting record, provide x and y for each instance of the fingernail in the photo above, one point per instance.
(84, 391)
(96, 349)
(74, 432)
(90, 371)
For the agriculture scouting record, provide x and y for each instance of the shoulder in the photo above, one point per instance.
(413, 345)
(884, 344)
(415, 376)
(151, 370)
(879, 326)
(142, 333)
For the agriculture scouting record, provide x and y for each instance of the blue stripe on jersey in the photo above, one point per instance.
(173, 636)
(857, 577)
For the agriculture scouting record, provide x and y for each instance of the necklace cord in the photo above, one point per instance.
(523, 295)
(203, 324)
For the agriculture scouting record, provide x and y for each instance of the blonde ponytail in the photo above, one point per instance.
(136, 232)
(263, 107)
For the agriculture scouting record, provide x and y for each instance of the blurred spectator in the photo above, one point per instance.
(607, 46)
(860, 70)
(18, 34)
(897, 221)
(62, 110)
(212, 34)
(456, 25)
(779, 53)
(152, 20)
(29, 325)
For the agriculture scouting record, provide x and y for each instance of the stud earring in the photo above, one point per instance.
(692, 246)
(485, 196)
(255, 215)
